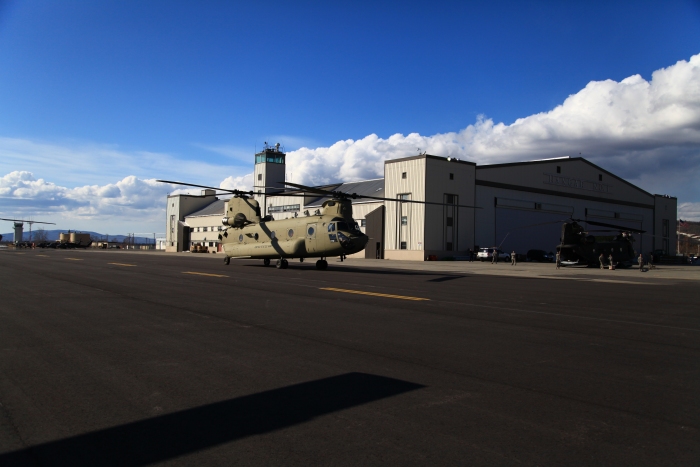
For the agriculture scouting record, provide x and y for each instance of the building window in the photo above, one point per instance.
(452, 176)
(448, 223)
(448, 246)
(191, 229)
(205, 229)
(404, 220)
(286, 208)
(403, 174)
(259, 177)
(403, 245)
(449, 199)
(664, 228)
(363, 222)
(600, 177)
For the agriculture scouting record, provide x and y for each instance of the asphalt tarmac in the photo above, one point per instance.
(128, 359)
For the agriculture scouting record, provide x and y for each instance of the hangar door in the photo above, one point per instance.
(526, 225)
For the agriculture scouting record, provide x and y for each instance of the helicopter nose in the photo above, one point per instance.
(362, 240)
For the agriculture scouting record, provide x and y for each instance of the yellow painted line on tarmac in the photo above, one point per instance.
(74, 259)
(203, 274)
(122, 264)
(44, 256)
(373, 294)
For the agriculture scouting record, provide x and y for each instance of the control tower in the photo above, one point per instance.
(269, 174)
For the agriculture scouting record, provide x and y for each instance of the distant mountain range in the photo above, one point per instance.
(53, 235)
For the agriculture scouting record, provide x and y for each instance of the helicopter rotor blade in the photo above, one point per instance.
(356, 196)
(603, 224)
(28, 222)
(417, 202)
(319, 191)
(235, 192)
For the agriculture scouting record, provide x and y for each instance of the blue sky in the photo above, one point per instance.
(99, 98)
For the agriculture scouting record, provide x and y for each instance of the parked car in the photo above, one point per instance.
(539, 256)
(486, 254)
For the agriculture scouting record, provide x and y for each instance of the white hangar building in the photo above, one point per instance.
(521, 206)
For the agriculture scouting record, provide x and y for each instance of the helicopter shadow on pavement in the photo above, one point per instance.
(181, 433)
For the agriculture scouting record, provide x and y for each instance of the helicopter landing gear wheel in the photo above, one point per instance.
(282, 264)
(266, 262)
(227, 260)
(278, 265)
(321, 264)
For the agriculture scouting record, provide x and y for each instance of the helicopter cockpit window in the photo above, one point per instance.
(331, 227)
(343, 226)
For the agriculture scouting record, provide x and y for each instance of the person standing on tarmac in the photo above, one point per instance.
(471, 255)
(601, 258)
(610, 260)
(513, 259)
(494, 258)
(558, 259)
(641, 262)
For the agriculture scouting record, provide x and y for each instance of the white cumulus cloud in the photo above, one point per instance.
(645, 131)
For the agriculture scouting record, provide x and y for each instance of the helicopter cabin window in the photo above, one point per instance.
(403, 245)
(290, 233)
(403, 175)
(240, 238)
(255, 236)
(404, 220)
(452, 176)
(310, 231)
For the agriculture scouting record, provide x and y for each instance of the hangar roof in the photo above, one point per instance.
(215, 208)
(365, 188)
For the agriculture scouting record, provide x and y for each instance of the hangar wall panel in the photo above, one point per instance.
(412, 214)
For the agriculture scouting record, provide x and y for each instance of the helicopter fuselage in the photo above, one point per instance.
(302, 237)
(583, 249)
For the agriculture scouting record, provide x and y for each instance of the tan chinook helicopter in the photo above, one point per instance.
(330, 232)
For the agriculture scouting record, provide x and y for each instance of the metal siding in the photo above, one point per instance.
(438, 184)
(414, 183)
